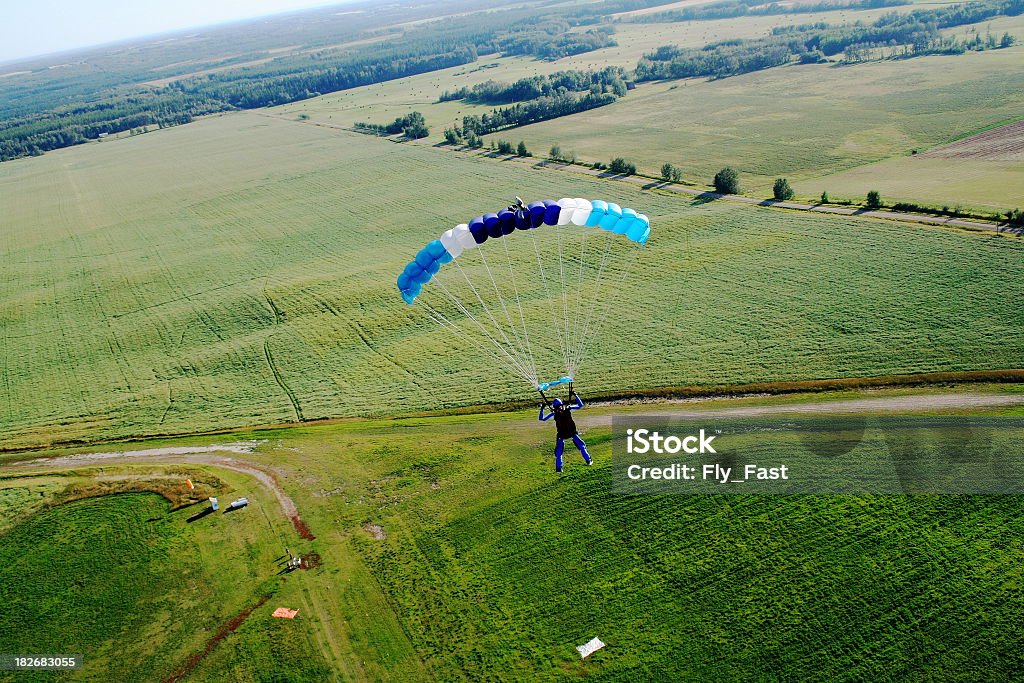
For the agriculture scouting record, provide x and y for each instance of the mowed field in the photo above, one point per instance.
(450, 551)
(240, 270)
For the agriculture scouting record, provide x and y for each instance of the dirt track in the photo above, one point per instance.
(196, 455)
(893, 404)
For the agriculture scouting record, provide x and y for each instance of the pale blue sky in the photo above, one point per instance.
(36, 27)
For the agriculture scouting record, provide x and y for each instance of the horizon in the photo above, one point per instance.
(67, 21)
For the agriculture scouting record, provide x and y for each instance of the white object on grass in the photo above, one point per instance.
(590, 648)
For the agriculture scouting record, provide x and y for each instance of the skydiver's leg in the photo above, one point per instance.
(582, 446)
(559, 448)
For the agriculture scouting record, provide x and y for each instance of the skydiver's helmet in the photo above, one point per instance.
(557, 403)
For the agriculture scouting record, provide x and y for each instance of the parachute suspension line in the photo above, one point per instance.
(565, 306)
(574, 360)
(607, 305)
(594, 328)
(519, 304)
(505, 349)
(442, 320)
(595, 296)
(554, 317)
(521, 348)
(515, 364)
(487, 310)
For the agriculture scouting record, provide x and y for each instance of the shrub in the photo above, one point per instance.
(670, 173)
(874, 200)
(620, 165)
(727, 181)
(782, 191)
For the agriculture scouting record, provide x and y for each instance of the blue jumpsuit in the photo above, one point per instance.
(566, 429)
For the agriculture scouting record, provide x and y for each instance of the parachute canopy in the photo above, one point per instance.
(527, 281)
(592, 214)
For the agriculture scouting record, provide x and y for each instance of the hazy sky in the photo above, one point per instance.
(36, 27)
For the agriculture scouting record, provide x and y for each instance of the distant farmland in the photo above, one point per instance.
(844, 128)
(180, 280)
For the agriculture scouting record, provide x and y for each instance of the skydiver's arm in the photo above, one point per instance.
(578, 404)
(542, 417)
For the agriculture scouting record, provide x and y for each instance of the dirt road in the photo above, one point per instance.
(195, 455)
(887, 404)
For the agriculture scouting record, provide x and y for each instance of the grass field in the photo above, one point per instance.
(240, 271)
(485, 566)
(135, 587)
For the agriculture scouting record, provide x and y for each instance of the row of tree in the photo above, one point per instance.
(611, 79)
(523, 113)
(412, 126)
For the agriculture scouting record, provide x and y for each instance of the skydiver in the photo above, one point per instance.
(566, 427)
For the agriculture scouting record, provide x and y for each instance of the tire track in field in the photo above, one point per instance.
(280, 380)
(279, 318)
(366, 340)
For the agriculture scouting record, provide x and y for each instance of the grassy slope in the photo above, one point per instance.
(142, 276)
(132, 585)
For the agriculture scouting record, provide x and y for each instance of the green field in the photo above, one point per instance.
(136, 588)
(149, 283)
(486, 567)
(237, 275)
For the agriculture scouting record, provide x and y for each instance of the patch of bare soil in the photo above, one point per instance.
(1005, 143)
(375, 530)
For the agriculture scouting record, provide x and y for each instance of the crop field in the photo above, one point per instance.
(450, 552)
(987, 184)
(984, 170)
(1005, 143)
(241, 271)
(831, 119)
(138, 589)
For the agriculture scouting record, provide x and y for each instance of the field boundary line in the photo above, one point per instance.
(666, 394)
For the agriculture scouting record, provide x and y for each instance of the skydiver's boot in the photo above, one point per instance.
(559, 449)
(583, 449)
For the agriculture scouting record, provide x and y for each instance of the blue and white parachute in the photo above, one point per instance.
(512, 300)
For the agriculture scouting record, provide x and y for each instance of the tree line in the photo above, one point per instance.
(523, 113)
(611, 79)
(412, 126)
(34, 134)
